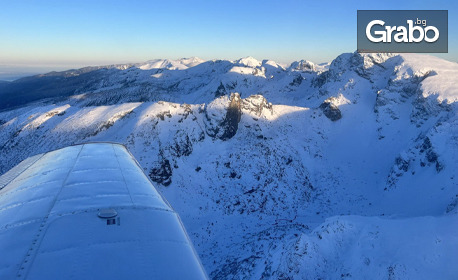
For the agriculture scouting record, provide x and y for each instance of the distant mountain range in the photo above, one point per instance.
(146, 78)
(344, 170)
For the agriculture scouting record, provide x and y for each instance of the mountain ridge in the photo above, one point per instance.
(281, 172)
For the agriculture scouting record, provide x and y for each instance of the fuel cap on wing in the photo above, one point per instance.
(107, 213)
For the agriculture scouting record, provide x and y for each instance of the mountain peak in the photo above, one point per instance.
(191, 61)
(249, 61)
(303, 65)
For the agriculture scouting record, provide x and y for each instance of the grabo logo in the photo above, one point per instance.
(403, 31)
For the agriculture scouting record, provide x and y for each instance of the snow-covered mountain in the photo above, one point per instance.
(344, 170)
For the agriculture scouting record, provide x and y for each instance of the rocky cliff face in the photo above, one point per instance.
(330, 110)
(223, 116)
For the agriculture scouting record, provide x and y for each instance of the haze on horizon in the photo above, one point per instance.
(50, 35)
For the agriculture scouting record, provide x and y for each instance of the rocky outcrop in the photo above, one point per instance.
(297, 81)
(423, 155)
(330, 110)
(161, 172)
(182, 145)
(233, 114)
(256, 104)
(222, 117)
(303, 65)
(430, 155)
(220, 91)
(400, 167)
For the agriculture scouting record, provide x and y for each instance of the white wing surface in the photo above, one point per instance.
(89, 212)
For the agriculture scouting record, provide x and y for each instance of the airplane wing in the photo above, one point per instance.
(89, 212)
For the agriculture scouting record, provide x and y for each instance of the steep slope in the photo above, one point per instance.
(336, 171)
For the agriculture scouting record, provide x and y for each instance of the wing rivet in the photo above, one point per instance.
(107, 213)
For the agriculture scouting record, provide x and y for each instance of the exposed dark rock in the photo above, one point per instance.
(258, 71)
(430, 155)
(256, 104)
(426, 145)
(402, 164)
(163, 115)
(289, 161)
(321, 79)
(222, 121)
(55, 113)
(303, 65)
(235, 267)
(439, 166)
(182, 145)
(221, 90)
(109, 123)
(331, 111)
(162, 173)
(297, 81)
(186, 113)
(201, 136)
(233, 115)
(452, 206)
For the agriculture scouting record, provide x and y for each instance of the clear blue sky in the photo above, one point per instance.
(75, 33)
